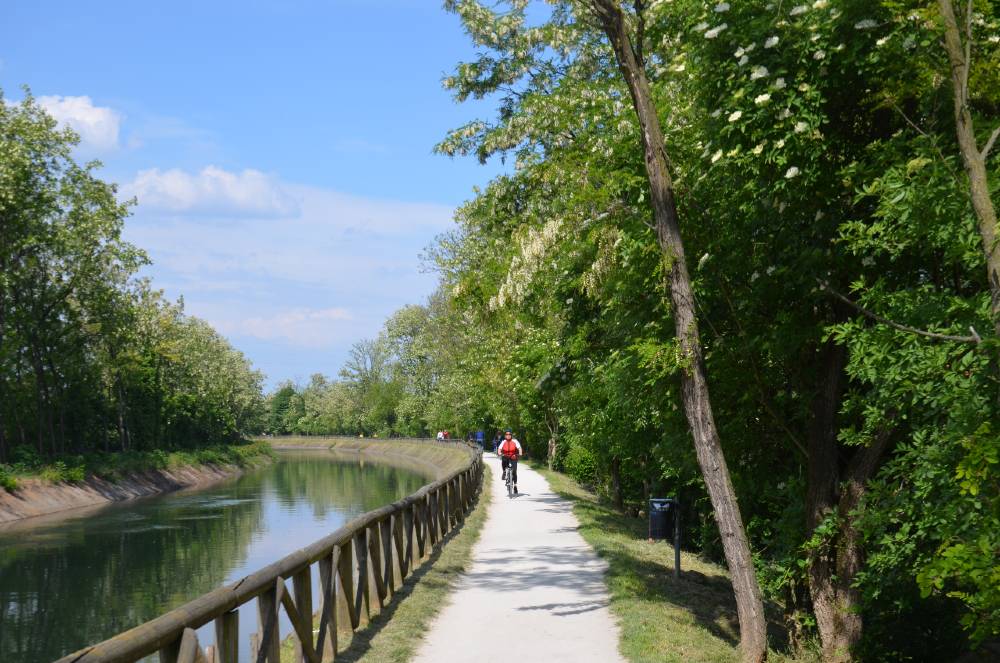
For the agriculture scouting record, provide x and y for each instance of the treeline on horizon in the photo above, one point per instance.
(92, 357)
(837, 242)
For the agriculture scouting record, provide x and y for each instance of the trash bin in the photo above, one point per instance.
(660, 519)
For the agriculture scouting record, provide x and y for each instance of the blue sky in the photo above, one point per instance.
(281, 152)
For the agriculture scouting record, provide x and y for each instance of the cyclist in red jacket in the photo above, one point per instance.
(510, 451)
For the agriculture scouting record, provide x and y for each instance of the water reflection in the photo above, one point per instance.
(68, 583)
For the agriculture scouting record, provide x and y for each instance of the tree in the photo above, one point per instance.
(694, 381)
(89, 352)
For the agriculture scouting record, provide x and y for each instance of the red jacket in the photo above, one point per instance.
(510, 448)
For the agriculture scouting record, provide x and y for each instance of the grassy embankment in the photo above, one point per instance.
(393, 635)
(420, 455)
(120, 464)
(662, 619)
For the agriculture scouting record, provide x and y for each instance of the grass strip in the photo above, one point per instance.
(115, 465)
(690, 620)
(394, 634)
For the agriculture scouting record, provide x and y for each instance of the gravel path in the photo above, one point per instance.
(535, 590)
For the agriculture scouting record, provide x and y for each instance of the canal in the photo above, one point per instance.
(79, 579)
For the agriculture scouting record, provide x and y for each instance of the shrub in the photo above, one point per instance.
(59, 472)
(7, 479)
(54, 472)
(581, 464)
(26, 460)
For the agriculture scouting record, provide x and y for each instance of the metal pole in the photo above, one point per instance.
(677, 540)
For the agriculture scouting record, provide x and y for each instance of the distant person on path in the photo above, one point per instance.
(496, 442)
(440, 436)
(510, 451)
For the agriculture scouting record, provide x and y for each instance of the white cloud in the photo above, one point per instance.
(344, 212)
(336, 241)
(211, 191)
(98, 126)
(304, 327)
(314, 280)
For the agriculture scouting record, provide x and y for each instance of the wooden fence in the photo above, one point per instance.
(366, 560)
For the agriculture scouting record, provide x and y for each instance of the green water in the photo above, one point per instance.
(78, 580)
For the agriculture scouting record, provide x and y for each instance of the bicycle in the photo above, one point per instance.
(508, 477)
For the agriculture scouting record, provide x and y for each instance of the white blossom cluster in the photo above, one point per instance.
(532, 249)
(714, 32)
(603, 264)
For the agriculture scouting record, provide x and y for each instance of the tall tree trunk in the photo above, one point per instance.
(839, 626)
(157, 414)
(973, 158)
(123, 436)
(58, 405)
(552, 423)
(694, 383)
(3, 437)
(43, 399)
(4, 453)
(616, 483)
(18, 364)
(834, 564)
(104, 432)
(3, 383)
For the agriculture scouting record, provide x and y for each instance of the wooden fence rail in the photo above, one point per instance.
(365, 560)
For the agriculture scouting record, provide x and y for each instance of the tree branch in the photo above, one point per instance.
(975, 339)
(923, 133)
(989, 144)
(865, 461)
(640, 31)
(968, 53)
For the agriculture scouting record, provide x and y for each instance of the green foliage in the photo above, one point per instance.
(581, 464)
(91, 357)
(967, 566)
(59, 471)
(813, 146)
(7, 479)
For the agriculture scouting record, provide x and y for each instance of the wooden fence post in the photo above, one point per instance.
(227, 637)
(302, 586)
(433, 519)
(267, 620)
(421, 524)
(363, 599)
(326, 644)
(346, 572)
(301, 623)
(169, 653)
(408, 537)
(375, 555)
(389, 573)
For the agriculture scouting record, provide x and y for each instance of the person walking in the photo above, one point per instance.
(510, 451)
